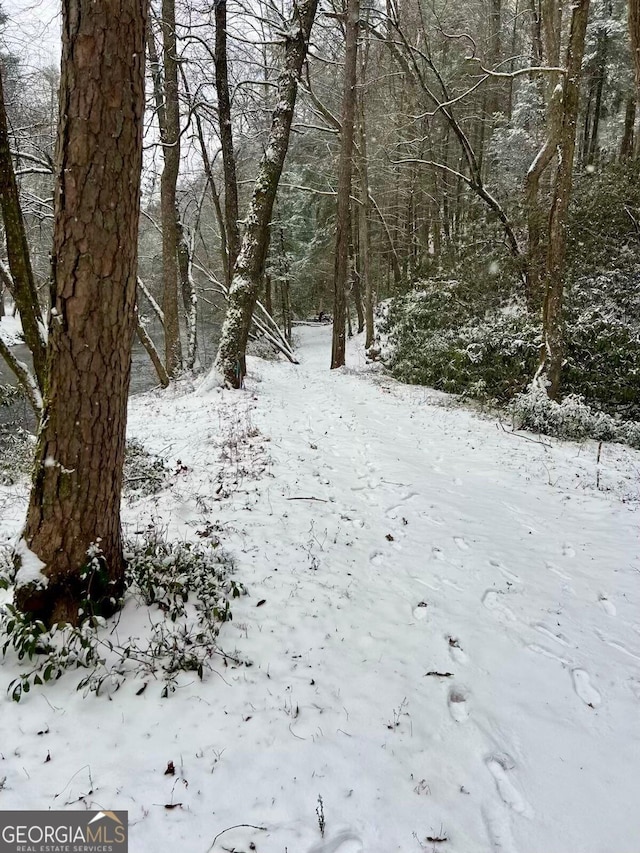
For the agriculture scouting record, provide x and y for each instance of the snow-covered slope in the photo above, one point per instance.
(448, 648)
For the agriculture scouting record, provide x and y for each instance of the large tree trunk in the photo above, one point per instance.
(551, 355)
(345, 169)
(226, 138)
(168, 183)
(23, 287)
(72, 534)
(249, 269)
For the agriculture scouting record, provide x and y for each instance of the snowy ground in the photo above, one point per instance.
(11, 330)
(449, 645)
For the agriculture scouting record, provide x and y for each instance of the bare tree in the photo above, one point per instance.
(345, 170)
(226, 138)
(20, 282)
(249, 269)
(551, 354)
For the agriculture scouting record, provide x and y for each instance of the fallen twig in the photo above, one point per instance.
(237, 826)
(321, 500)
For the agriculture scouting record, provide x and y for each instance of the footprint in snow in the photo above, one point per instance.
(462, 545)
(499, 766)
(585, 690)
(420, 610)
(568, 550)
(377, 558)
(451, 584)
(550, 634)
(540, 650)
(608, 606)
(457, 702)
(456, 651)
(559, 572)
(345, 842)
(498, 830)
(492, 601)
(505, 571)
(616, 644)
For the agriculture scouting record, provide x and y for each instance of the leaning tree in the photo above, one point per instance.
(71, 548)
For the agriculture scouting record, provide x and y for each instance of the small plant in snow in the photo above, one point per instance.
(16, 454)
(144, 473)
(188, 589)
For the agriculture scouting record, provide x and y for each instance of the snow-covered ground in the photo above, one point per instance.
(11, 330)
(448, 648)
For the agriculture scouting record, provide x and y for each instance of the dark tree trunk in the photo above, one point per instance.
(345, 169)
(168, 182)
(226, 138)
(551, 354)
(364, 239)
(74, 507)
(626, 147)
(23, 284)
(634, 35)
(249, 269)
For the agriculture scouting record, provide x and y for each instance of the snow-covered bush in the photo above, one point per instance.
(571, 419)
(460, 338)
(434, 338)
(186, 586)
(602, 341)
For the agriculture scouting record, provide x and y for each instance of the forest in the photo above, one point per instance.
(320, 423)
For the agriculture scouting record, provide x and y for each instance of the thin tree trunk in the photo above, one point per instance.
(634, 35)
(23, 290)
(72, 535)
(189, 294)
(249, 269)
(226, 137)
(268, 300)
(364, 235)
(551, 355)
(23, 375)
(147, 342)
(208, 172)
(168, 183)
(626, 147)
(343, 230)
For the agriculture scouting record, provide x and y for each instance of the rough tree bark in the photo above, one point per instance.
(22, 282)
(551, 353)
(249, 269)
(345, 170)
(74, 507)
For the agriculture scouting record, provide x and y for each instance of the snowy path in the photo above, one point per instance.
(449, 646)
